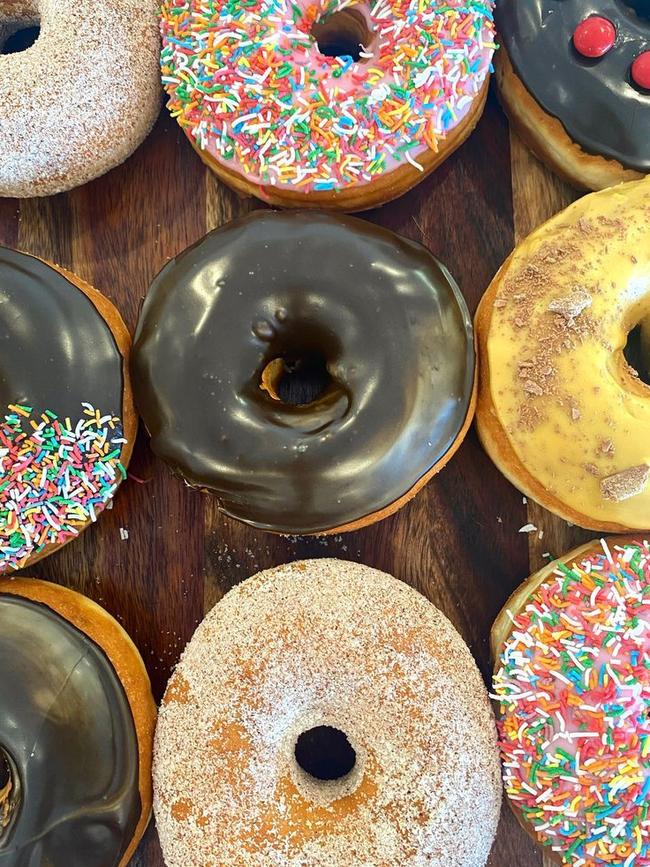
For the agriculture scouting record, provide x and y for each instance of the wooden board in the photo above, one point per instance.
(457, 541)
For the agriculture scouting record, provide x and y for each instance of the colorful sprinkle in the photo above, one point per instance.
(574, 694)
(247, 83)
(54, 478)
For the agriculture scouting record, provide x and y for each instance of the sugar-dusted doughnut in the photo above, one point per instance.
(319, 104)
(67, 421)
(564, 351)
(79, 100)
(324, 713)
(370, 319)
(574, 78)
(572, 679)
(76, 731)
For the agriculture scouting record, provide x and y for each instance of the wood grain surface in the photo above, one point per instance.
(457, 541)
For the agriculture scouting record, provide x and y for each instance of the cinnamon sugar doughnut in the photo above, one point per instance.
(81, 99)
(325, 714)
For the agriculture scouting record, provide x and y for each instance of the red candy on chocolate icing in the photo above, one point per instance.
(594, 36)
(641, 70)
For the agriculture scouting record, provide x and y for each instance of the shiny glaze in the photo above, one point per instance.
(387, 317)
(56, 350)
(594, 99)
(66, 725)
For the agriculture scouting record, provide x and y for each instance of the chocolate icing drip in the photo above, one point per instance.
(56, 350)
(386, 317)
(594, 99)
(67, 728)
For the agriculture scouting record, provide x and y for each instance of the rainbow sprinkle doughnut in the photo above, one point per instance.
(574, 692)
(249, 86)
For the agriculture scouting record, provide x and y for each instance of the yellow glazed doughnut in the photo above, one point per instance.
(79, 100)
(325, 714)
(561, 411)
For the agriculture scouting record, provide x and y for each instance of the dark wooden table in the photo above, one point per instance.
(458, 541)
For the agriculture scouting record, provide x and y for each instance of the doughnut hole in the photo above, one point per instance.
(9, 791)
(342, 34)
(296, 380)
(18, 37)
(325, 753)
(327, 763)
(637, 350)
(640, 7)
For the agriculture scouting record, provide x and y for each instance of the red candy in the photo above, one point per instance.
(594, 36)
(640, 71)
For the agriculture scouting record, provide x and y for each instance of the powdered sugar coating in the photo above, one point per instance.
(326, 642)
(82, 98)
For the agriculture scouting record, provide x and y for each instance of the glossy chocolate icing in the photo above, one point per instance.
(594, 99)
(386, 316)
(67, 728)
(56, 350)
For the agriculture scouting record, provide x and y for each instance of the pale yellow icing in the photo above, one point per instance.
(573, 412)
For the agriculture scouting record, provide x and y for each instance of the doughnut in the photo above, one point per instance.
(67, 420)
(574, 79)
(326, 714)
(564, 397)
(76, 731)
(231, 327)
(572, 682)
(79, 100)
(323, 104)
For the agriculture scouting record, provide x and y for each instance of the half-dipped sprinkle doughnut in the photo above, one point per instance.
(369, 318)
(326, 104)
(67, 421)
(563, 333)
(574, 78)
(326, 714)
(76, 731)
(79, 100)
(571, 649)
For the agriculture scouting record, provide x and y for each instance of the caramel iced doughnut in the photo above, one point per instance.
(572, 660)
(67, 421)
(308, 104)
(574, 78)
(326, 714)
(76, 731)
(372, 320)
(80, 100)
(564, 400)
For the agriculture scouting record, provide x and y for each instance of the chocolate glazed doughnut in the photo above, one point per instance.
(587, 116)
(373, 318)
(76, 731)
(67, 422)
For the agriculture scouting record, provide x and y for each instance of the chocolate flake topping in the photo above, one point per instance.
(628, 483)
(531, 387)
(570, 306)
(607, 447)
